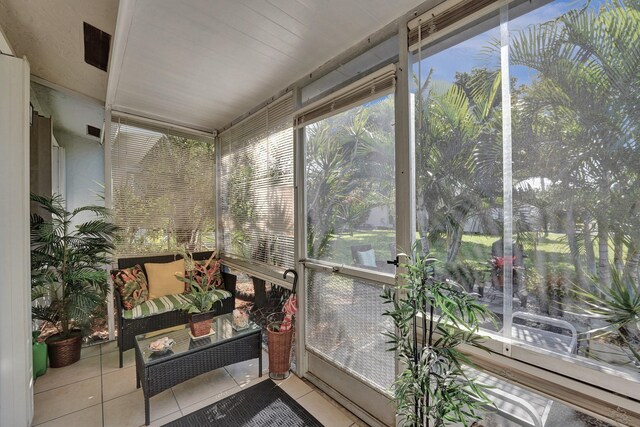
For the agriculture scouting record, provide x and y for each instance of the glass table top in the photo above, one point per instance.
(223, 331)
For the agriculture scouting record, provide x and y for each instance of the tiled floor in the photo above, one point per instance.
(94, 392)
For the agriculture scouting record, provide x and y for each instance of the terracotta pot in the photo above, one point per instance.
(200, 323)
(64, 352)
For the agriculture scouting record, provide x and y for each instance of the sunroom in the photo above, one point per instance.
(449, 188)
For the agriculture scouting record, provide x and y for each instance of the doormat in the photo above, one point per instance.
(264, 404)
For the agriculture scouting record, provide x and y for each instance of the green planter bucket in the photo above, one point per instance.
(39, 356)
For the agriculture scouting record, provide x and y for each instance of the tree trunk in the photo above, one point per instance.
(422, 214)
(318, 233)
(618, 251)
(603, 254)
(456, 241)
(588, 246)
(632, 264)
(260, 293)
(573, 246)
(545, 210)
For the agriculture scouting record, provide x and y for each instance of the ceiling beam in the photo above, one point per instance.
(66, 90)
(152, 119)
(126, 12)
(126, 9)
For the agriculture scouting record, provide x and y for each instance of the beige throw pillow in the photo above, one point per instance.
(162, 278)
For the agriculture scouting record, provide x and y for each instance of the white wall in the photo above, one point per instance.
(16, 384)
(5, 46)
(58, 169)
(84, 164)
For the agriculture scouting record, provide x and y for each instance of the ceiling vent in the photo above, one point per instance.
(96, 47)
(93, 131)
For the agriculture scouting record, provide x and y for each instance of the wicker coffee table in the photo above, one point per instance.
(192, 357)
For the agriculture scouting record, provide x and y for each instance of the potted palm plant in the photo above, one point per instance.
(432, 318)
(68, 278)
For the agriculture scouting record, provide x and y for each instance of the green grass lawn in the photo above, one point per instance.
(378, 239)
(551, 254)
(475, 248)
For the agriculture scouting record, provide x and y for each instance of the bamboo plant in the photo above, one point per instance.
(435, 388)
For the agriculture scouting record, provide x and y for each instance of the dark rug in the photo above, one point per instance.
(264, 404)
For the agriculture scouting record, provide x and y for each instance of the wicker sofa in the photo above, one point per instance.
(129, 328)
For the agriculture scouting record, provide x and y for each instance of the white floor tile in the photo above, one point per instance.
(203, 387)
(64, 400)
(118, 383)
(246, 371)
(109, 347)
(110, 361)
(294, 386)
(324, 411)
(90, 417)
(79, 396)
(128, 410)
(90, 351)
(58, 377)
(211, 400)
(164, 420)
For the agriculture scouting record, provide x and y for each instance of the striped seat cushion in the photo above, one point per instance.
(155, 306)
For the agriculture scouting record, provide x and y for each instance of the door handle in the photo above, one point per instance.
(395, 262)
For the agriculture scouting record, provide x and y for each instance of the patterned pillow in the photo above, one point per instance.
(132, 285)
(207, 274)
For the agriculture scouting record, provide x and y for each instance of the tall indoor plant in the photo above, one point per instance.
(68, 276)
(432, 318)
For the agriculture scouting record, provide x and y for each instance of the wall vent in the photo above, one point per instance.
(93, 131)
(96, 47)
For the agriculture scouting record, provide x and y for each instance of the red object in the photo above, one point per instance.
(498, 261)
(290, 308)
(200, 323)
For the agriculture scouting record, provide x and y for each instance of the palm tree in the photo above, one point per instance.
(458, 142)
(350, 169)
(330, 179)
(584, 109)
(68, 276)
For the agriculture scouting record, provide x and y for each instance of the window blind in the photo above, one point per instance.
(256, 186)
(163, 184)
(373, 86)
(442, 18)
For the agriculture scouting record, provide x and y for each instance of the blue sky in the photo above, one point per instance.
(469, 53)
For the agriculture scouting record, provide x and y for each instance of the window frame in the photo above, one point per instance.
(364, 84)
(614, 395)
